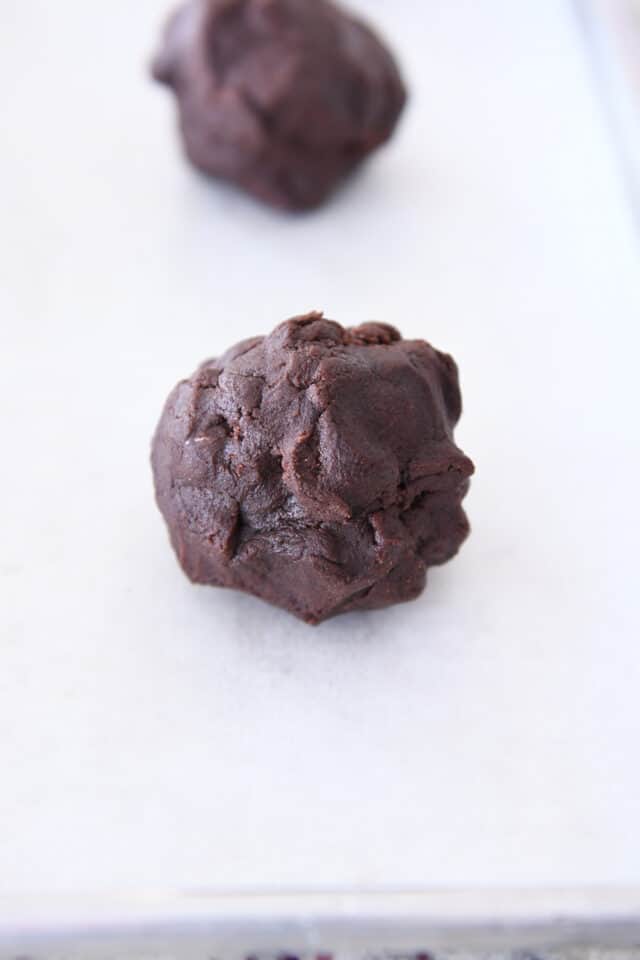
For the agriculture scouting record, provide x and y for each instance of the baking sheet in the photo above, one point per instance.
(157, 735)
(599, 924)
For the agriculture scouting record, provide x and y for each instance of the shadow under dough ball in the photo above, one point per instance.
(315, 467)
(282, 97)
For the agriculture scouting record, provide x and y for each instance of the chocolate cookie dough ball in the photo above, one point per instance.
(283, 97)
(315, 467)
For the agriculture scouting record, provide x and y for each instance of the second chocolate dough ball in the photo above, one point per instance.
(282, 97)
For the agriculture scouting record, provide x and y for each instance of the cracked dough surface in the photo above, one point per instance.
(315, 467)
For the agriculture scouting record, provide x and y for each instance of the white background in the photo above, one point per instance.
(155, 734)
